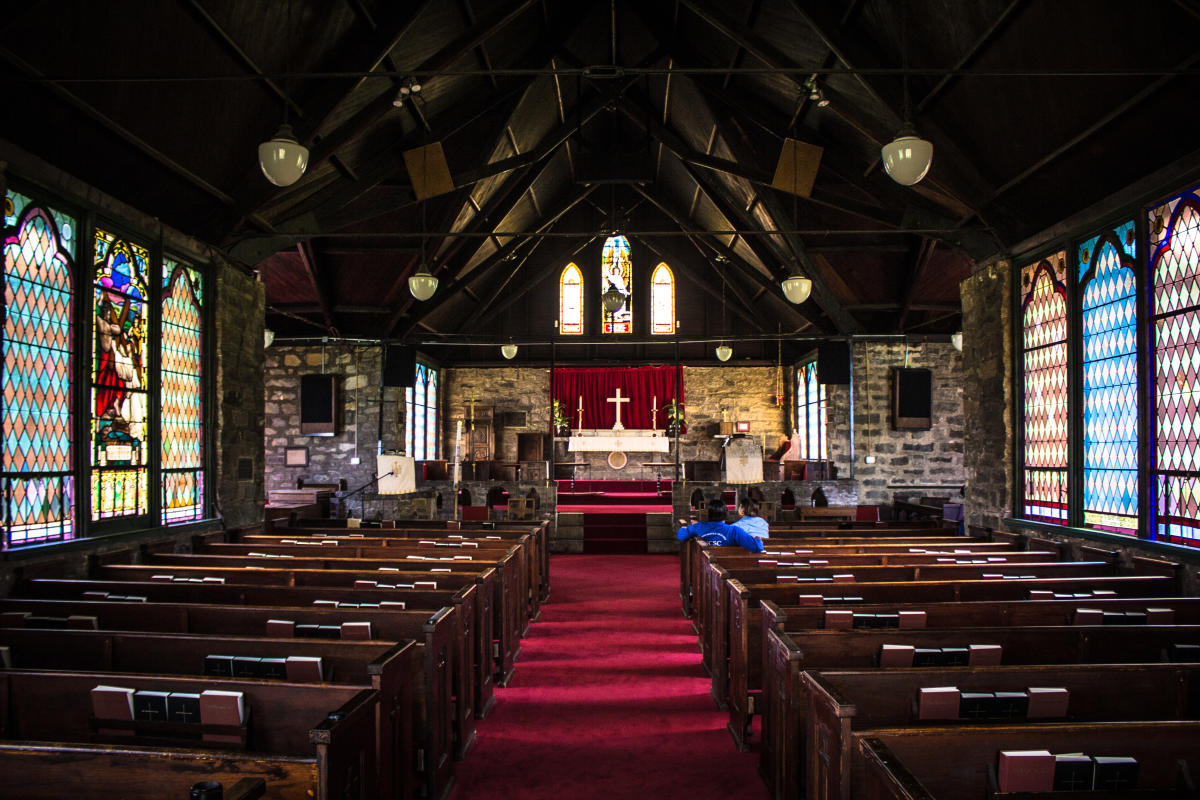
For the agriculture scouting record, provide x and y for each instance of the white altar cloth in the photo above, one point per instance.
(602, 441)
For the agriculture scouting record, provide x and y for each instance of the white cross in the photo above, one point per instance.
(618, 400)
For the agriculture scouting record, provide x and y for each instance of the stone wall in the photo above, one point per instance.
(988, 396)
(505, 389)
(747, 395)
(239, 391)
(907, 462)
(359, 405)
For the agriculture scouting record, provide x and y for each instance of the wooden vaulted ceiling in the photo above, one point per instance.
(562, 120)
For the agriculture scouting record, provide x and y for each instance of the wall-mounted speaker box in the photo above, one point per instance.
(318, 404)
(912, 399)
(399, 365)
(833, 362)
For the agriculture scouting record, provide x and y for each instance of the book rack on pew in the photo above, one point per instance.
(166, 733)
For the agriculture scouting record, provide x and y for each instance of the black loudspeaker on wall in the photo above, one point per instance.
(912, 399)
(318, 405)
(399, 365)
(833, 362)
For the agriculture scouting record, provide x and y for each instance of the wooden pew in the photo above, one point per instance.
(389, 669)
(316, 738)
(785, 701)
(433, 633)
(840, 703)
(910, 763)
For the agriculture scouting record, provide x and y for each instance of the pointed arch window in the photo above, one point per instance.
(616, 267)
(662, 301)
(810, 413)
(182, 394)
(421, 414)
(570, 301)
(36, 484)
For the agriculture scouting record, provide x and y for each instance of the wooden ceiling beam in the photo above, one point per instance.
(916, 272)
(317, 279)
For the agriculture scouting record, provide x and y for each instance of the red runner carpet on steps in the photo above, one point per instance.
(609, 699)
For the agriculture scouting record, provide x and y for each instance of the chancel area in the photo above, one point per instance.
(517, 399)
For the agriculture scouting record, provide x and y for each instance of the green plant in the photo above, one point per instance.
(675, 417)
(558, 419)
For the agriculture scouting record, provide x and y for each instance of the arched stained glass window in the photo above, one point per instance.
(181, 394)
(119, 377)
(1044, 389)
(617, 271)
(421, 417)
(662, 301)
(35, 474)
(810, 413)
(1174, 248)
(570, 301)
(1110, 387)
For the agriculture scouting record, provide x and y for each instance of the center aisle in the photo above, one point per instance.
(609, 699)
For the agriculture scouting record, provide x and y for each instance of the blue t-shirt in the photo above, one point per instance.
(755, 526)
(721, 535)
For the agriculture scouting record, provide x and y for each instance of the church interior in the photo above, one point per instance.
(372, 456)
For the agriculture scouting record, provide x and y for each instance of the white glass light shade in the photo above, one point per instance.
(956, 340)
(797, 289)
(509, 350)
(724, 351)
(906, 158)
(268, 337)
(422, 284)
(612, 299)
(283, 159)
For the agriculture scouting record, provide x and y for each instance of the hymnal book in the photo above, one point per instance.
(308, 631)
(325, 603)
(1139, 618)
(1113, 618)
(938, 702)
(281, 628)
(887, 620)
(836, 619)
(356, 630)
(389, 569)
(305, 669)
(246, 666)
(1011, 705)
(862, 620)
(368, 605)
(912, 619)
(42, 622)
(1025, 771)
(273, 668)
(1115, 773)
(5, 657)
(1185, 652)
(955, 657)
(13, 619)
(95, 595)
(162, 577)
(329, 631)
(218, 666)
(1104, 592)
(976, 705)
(397, 604)
(1088, 616)
(112, 702)
(342, 604)
(1160, 616)
(1073, 772)
(365, 584)
(424, 584)
(183, 707)
(1046, 702)
(441, 569)
(222, 708)
(984, 655)
(81, 622)
(213, 580)
(927, 657)
(149, 706)
(810, 600)
(1041, 594)
(896, 655)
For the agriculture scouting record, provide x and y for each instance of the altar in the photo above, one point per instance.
(627, 441)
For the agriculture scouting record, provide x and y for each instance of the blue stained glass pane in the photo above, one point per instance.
(1110, 392)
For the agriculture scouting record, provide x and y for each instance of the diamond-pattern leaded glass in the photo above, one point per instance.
(810, 413)
(119, 377)
(420, 414)
(662, 301)
(1174, 264)
(1044, 385)
(617, 269)
(181, 394)
(1110, 390)
(35, 479)
(570, 301)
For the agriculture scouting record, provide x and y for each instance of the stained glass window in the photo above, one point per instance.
(1110, 389)
(181, 394)
(1174, 265)
(1044, 389)
(810, 413)
(35, 474)
(617, 269)
(570, 301)
(119, 377)
(421, 417)
(662, 301)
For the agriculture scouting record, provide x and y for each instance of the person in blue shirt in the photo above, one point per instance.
(750, 521)
(717, 532)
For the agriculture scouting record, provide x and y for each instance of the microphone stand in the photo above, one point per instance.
(362, 506)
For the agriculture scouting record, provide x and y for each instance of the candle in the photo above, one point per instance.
(654, 413)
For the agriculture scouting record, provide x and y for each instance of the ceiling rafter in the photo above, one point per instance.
(317, 279)
(916, 272)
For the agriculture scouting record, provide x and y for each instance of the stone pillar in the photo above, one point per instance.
(988, 402)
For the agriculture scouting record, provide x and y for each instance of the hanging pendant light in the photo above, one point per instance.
(509, 351)
(282, 158)
(907, 158)
(612, 300)
(422, 284)
(797, 289)
(723, 352)
(268, 337)
(956, 341)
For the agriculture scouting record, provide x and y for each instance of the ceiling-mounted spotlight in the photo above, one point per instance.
(283, 159)
(724, 351)
(508, 350)
(409, 88)
(797, 289)
(956, 340)
(815, 93)
(907, 158)
(422, 284)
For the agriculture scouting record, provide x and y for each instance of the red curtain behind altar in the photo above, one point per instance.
(642, 385)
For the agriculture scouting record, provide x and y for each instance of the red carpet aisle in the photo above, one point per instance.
(609, 699)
